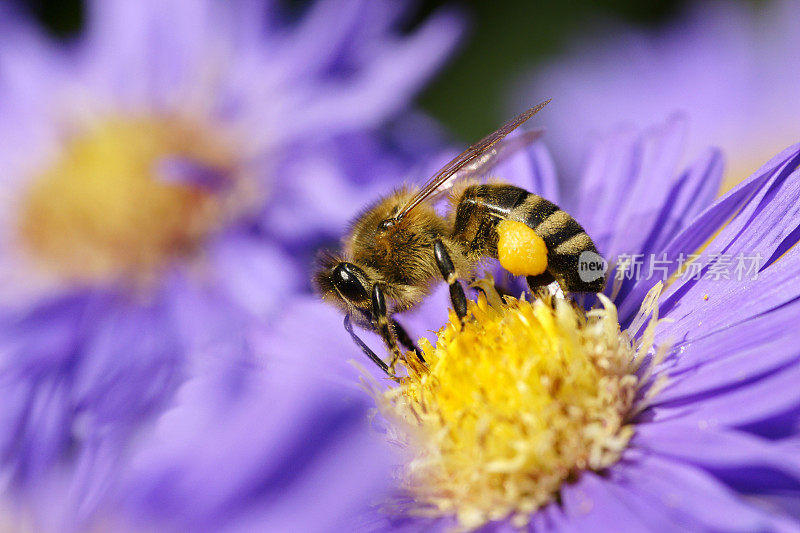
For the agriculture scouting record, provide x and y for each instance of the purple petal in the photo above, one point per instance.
(533, 170)
(656, 163)
(114, 33)
(318, 39)
(167, 45)
(213, 332)
(254, 273)
(38, 443)
(312, 331)
(647, 506)
(625, 182)
(67, 499)
(686, 197)
(759, 400)
(590, 506)
(44, 337)
(692, 496)
(777, 178)
(340, 201)
(550, 518)
(633, 200)
(352, 455)
(724, 452)
(729, 357)
(607, 177)
(284, 440)
(689, 195)
(380, 88)
(129, 365)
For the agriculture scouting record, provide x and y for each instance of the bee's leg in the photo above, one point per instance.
(405, 339)
(448, 271)
(538, 284)
(382, 324)
(364, 348)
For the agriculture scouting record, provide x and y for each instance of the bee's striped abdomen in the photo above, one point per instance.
(480, 208)
(563, 236)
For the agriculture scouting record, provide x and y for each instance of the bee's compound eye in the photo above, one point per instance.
(347, 282)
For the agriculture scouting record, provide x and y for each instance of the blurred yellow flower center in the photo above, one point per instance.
(107, 207)
(508, 409)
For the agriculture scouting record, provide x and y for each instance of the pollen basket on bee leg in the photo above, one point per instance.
(520, 250)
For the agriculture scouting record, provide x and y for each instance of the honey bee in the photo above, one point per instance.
(398, 247)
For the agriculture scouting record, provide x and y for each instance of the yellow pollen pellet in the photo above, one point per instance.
(520, 250)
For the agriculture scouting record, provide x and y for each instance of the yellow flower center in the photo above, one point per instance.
(518, 402)
(113, 205)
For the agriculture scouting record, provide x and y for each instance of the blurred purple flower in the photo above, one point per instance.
(161, 178)
(716, 450)
(731, 67)
(290, 449)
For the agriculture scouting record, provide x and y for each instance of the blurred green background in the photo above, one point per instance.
(505, 38)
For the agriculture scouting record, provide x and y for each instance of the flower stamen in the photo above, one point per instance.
(115, 202)
(515, 404)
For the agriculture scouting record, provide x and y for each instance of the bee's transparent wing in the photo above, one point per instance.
(484, 164)
(474, 159)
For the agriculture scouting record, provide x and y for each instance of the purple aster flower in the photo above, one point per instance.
(731, 67)
(160, 177)
(672, 405)
(248, 447)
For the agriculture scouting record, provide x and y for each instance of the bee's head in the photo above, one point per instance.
(343, 283)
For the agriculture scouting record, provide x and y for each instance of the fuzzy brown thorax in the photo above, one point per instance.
(400, 254)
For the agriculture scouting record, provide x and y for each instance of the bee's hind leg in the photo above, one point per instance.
(546, 288)
(405, 339)
(448, 271)
(364, 348)
(538, 285)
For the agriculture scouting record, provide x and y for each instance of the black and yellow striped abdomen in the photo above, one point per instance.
(481, 208)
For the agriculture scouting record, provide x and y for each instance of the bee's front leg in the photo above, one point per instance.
(383, 326)
(448, 271)
(364, 348)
